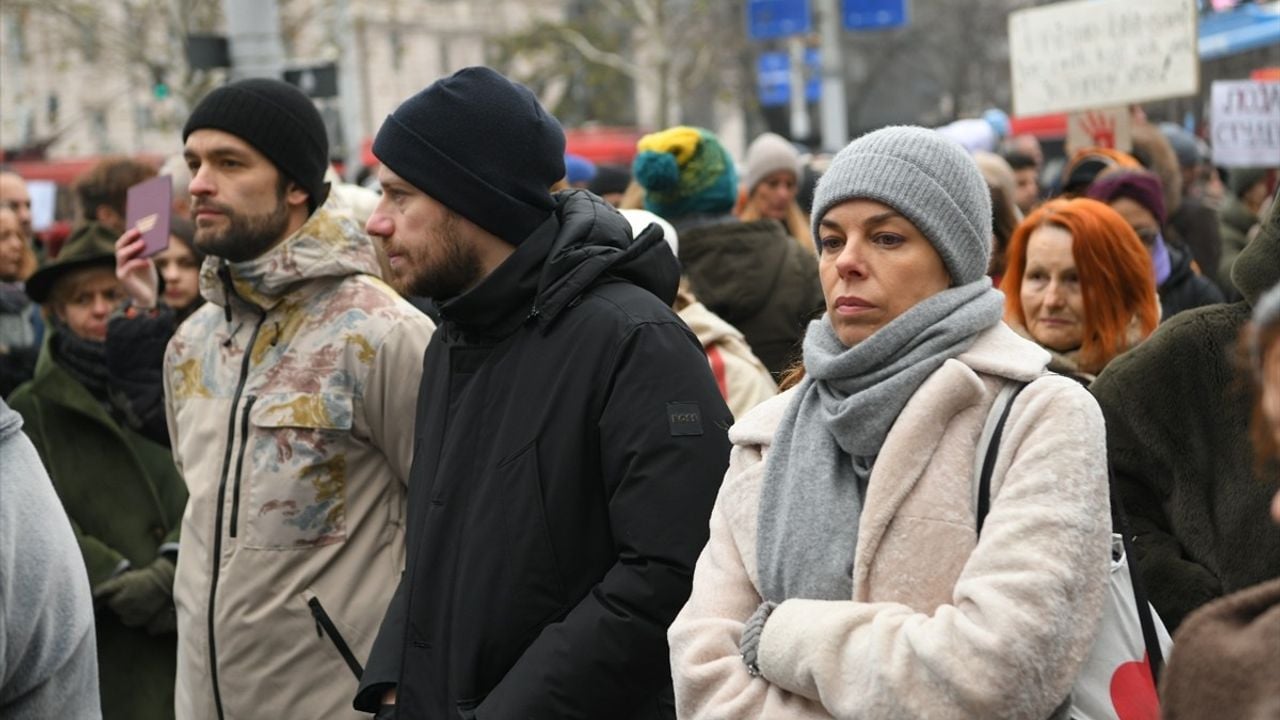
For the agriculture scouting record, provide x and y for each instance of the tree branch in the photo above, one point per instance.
(594, 54)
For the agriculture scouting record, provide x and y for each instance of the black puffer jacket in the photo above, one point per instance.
(570, 444)
(759, 280)
(1184, 289)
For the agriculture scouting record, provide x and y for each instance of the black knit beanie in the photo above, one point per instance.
(278, 121)
(482, 146)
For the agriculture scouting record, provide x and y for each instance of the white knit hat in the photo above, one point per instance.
(767, 154)
(928, 178)
(641, 219)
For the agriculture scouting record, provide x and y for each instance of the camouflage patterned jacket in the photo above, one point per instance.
(290, 401)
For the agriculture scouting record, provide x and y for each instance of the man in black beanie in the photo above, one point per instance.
(570, 435)
(286, 411)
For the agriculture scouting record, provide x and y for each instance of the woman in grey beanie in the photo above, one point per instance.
(845, 575)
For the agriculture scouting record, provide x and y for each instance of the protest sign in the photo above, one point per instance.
(1102, 53)
(1245, 123)
(1108, 128)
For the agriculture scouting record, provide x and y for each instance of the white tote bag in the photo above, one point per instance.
(1117, 681)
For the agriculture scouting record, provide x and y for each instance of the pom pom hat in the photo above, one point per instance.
(685, 170)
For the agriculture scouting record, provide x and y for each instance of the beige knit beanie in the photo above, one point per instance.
(768, 154)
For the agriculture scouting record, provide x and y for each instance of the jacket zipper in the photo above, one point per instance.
(324, 625)
(222, 496)
(244, 445)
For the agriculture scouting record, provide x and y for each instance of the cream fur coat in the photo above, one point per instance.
(939, 626)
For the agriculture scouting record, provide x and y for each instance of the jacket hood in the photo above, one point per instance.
(10, 421)
(584, 242)
(594, 242)
(1257, 267)
(326, 246)
(740, 262)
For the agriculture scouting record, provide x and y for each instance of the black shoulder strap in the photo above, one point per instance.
(1119, 525)
(989, 461)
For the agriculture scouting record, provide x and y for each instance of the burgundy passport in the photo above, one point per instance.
(150, 204)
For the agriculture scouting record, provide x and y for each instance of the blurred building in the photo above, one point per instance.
(81, 79)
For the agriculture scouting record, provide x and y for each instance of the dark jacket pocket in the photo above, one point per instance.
(325, 626)
(537, 587)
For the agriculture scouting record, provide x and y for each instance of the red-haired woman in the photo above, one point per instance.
(1079, 283)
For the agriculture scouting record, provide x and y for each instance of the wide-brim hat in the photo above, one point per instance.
(90, 245)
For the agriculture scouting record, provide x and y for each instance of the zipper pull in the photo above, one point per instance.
(534, 314)
(315, 613)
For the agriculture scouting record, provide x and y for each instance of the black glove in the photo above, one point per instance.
(137, 595)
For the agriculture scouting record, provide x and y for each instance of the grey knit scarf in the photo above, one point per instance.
(827, 442)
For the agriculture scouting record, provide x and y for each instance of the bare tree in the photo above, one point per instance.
(145, 39)
(666, 48)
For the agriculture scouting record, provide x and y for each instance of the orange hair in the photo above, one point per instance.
(1116, 276)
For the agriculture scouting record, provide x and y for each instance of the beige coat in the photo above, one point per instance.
(937, 627)
(743, 379)
(292, 422)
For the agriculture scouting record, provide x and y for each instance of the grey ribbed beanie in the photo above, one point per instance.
(929, 179)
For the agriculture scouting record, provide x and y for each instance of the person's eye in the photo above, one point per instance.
(887, 239)
(831, 242)
(230, 163)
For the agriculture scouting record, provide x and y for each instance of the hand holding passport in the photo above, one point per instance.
(150, 208)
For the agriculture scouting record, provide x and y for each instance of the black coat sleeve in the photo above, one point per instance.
(664, 450)
(135, 369)
(382, 671)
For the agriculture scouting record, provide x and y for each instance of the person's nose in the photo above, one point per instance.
(852, 260)
(1054, 297)
(103, 305)
(201, 183)
(379, 225)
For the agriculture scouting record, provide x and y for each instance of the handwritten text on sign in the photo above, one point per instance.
(1102, 53)
(1246, 123)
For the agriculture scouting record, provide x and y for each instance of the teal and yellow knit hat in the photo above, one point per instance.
(685, 170)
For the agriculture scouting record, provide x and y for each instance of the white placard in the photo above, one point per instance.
(44, 201)
(1246, 123)
(1109, 128)
(1102, 53)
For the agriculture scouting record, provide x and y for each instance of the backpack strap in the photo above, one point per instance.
(989, 446)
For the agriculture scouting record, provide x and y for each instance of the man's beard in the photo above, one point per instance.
(245, 237)
(457, 270)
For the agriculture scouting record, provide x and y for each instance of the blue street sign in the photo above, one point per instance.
(874, 14)
(774, 78)
(768, 19)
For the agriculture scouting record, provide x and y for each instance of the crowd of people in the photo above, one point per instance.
(859, 436)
